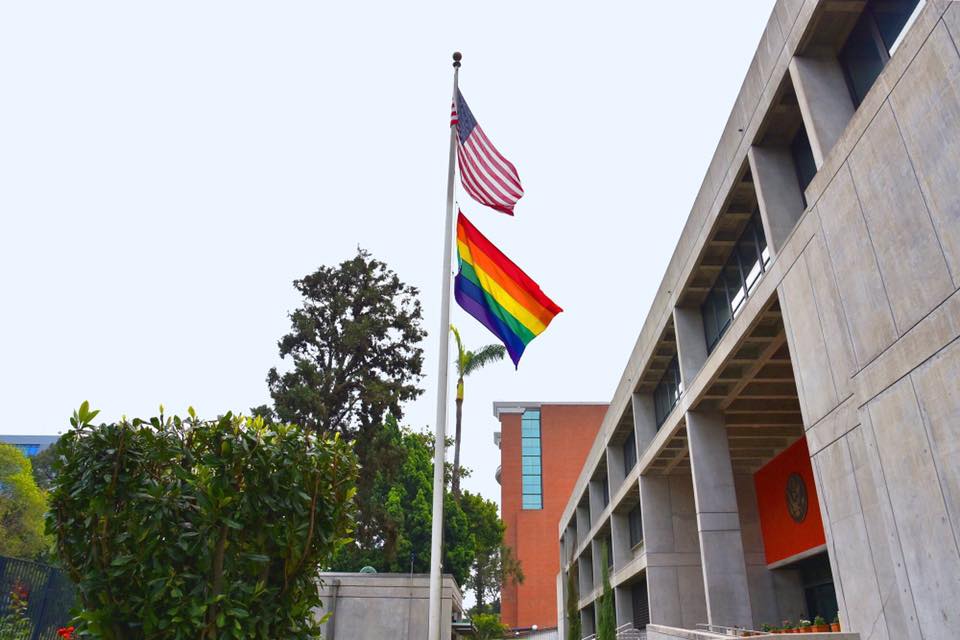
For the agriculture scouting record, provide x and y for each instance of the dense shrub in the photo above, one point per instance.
(198, 529)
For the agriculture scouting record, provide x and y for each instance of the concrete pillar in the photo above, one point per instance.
(825, 102)
(587, 620)
(585, 573)
(644, 421)
(718, 522)
(583, 520)
(615, 470)
(599, 559)
(674, 576)
(595, 490)
(624, 601)
(778, 192)
(620, 538)
(691, 342)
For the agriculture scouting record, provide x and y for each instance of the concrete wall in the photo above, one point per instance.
(873, 316)
(383, 605)
(867, 277)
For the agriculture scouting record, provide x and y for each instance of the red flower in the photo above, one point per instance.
(65, 632)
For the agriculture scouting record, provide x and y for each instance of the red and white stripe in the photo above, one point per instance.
(486, 175)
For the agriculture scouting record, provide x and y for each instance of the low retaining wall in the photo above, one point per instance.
(659, 632)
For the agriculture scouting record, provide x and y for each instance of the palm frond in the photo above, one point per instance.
(462, 354)
(482, 357)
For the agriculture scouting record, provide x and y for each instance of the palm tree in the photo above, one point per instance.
(467, 362)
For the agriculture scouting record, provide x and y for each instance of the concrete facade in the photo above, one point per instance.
(849, 340)
(374, 606)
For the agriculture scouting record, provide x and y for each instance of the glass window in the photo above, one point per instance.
(531, 484)
(736, 280)
(868, 48)
(629, 452)
(532, 501)
(530, 446)
(531, 468)
(609, 547)
(531, 465)
(667, 391)
(892, 18)
(636, 526)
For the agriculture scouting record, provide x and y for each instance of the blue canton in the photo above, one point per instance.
(466, 121)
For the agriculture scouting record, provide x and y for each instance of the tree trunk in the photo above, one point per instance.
(455, 482)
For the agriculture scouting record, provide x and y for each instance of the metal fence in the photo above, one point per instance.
(50, 595)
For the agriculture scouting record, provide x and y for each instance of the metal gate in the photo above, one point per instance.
(48, 591)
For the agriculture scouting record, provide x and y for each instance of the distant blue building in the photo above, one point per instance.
(29, 445)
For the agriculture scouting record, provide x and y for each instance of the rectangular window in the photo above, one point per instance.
(873, 40)
(530, 464)
(629, 453)
(667, 392)
(636, 526)
(737, 279)
(609, 547)
(605, 491)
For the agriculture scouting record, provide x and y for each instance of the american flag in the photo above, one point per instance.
(486, 175)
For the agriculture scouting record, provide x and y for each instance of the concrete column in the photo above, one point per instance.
(644, 421)
(620, 538)
(674, 576)
(825, 102)
(615, 470)
(624, 601)
(778, 192)
(585, 573)
(595, 490)
(599, 559)
(583, 521)
(718, 522)
(691, 342)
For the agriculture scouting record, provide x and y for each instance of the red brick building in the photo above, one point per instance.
(543, 446)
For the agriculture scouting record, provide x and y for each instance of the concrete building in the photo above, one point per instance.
(794, 393)
(542, 448)
(374, 606)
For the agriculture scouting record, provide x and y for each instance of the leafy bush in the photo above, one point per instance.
(198, 529)
(489, 626)
(22, 505)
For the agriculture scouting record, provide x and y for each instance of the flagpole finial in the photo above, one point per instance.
(457, 56)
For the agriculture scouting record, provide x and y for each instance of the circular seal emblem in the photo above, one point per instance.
(797, 497)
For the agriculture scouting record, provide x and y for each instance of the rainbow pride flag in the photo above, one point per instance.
(495, 291)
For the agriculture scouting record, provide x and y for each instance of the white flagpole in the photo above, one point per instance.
(439, 457)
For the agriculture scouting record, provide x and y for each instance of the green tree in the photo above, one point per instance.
(574, 629)
(606, 616)
(393, 535)
(467, 362)
(489, 627)
(354, 350)
(42, 465)
(22, 507)
(494, 563)
(187, 529)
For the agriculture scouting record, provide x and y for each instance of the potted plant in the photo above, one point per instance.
(786, 627)
(805, 626)
(835, 625)
(820, 625)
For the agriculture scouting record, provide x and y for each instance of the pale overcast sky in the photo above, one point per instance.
(167, 169)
